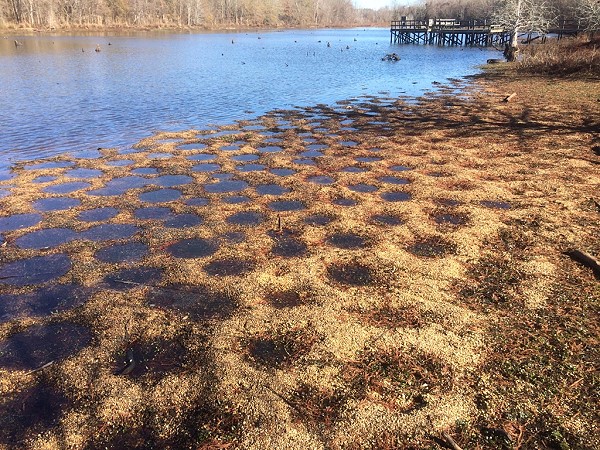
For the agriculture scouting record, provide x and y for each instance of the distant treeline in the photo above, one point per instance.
(208, 14)
(212, 14)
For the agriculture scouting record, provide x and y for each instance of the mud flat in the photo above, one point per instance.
(371, 274)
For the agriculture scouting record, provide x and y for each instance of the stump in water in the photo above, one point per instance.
(391, 57)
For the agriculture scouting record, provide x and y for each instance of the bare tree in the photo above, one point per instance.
(196, 13)
(16, 10)
(588, 11)
(520, 16)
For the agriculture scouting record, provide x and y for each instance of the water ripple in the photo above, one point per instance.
(55, 98)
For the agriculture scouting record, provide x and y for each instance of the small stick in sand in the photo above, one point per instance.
(508, 98)
(450, 441)
(48, 364)
(285, 400)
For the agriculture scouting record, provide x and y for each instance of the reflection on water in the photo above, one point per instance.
(59, 95)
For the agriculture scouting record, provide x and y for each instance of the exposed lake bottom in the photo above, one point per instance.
(295, 268)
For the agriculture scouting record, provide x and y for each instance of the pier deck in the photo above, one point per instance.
(473, 33)
(476, 33)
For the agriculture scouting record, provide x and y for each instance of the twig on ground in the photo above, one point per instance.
(508, 98)
(450, 441)
(48, 364)
(285, 400)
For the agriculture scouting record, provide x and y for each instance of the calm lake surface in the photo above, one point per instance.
(58, 95)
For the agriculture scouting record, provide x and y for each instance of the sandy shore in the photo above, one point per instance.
(382, 273)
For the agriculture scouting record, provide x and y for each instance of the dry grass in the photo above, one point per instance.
(402, 379)
(373, 326)
(578, 56)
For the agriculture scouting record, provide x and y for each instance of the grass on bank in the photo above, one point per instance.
(579, 56)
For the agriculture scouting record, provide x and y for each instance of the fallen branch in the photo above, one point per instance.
(508, 98)
(450, 441)
(586, 259)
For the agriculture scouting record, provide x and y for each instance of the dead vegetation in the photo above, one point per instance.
(570, 57)
(402, 379)
(280, 348)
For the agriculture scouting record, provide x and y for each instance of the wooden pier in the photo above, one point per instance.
(567, 27)
(473, 33)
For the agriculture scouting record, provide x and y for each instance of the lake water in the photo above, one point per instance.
(58, 95)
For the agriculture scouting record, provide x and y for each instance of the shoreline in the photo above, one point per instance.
(425, 292)
(48, 137)
(113, 30)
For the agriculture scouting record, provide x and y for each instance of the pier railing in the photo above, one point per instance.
(567, 27)
(442, 24)
(473, 32)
